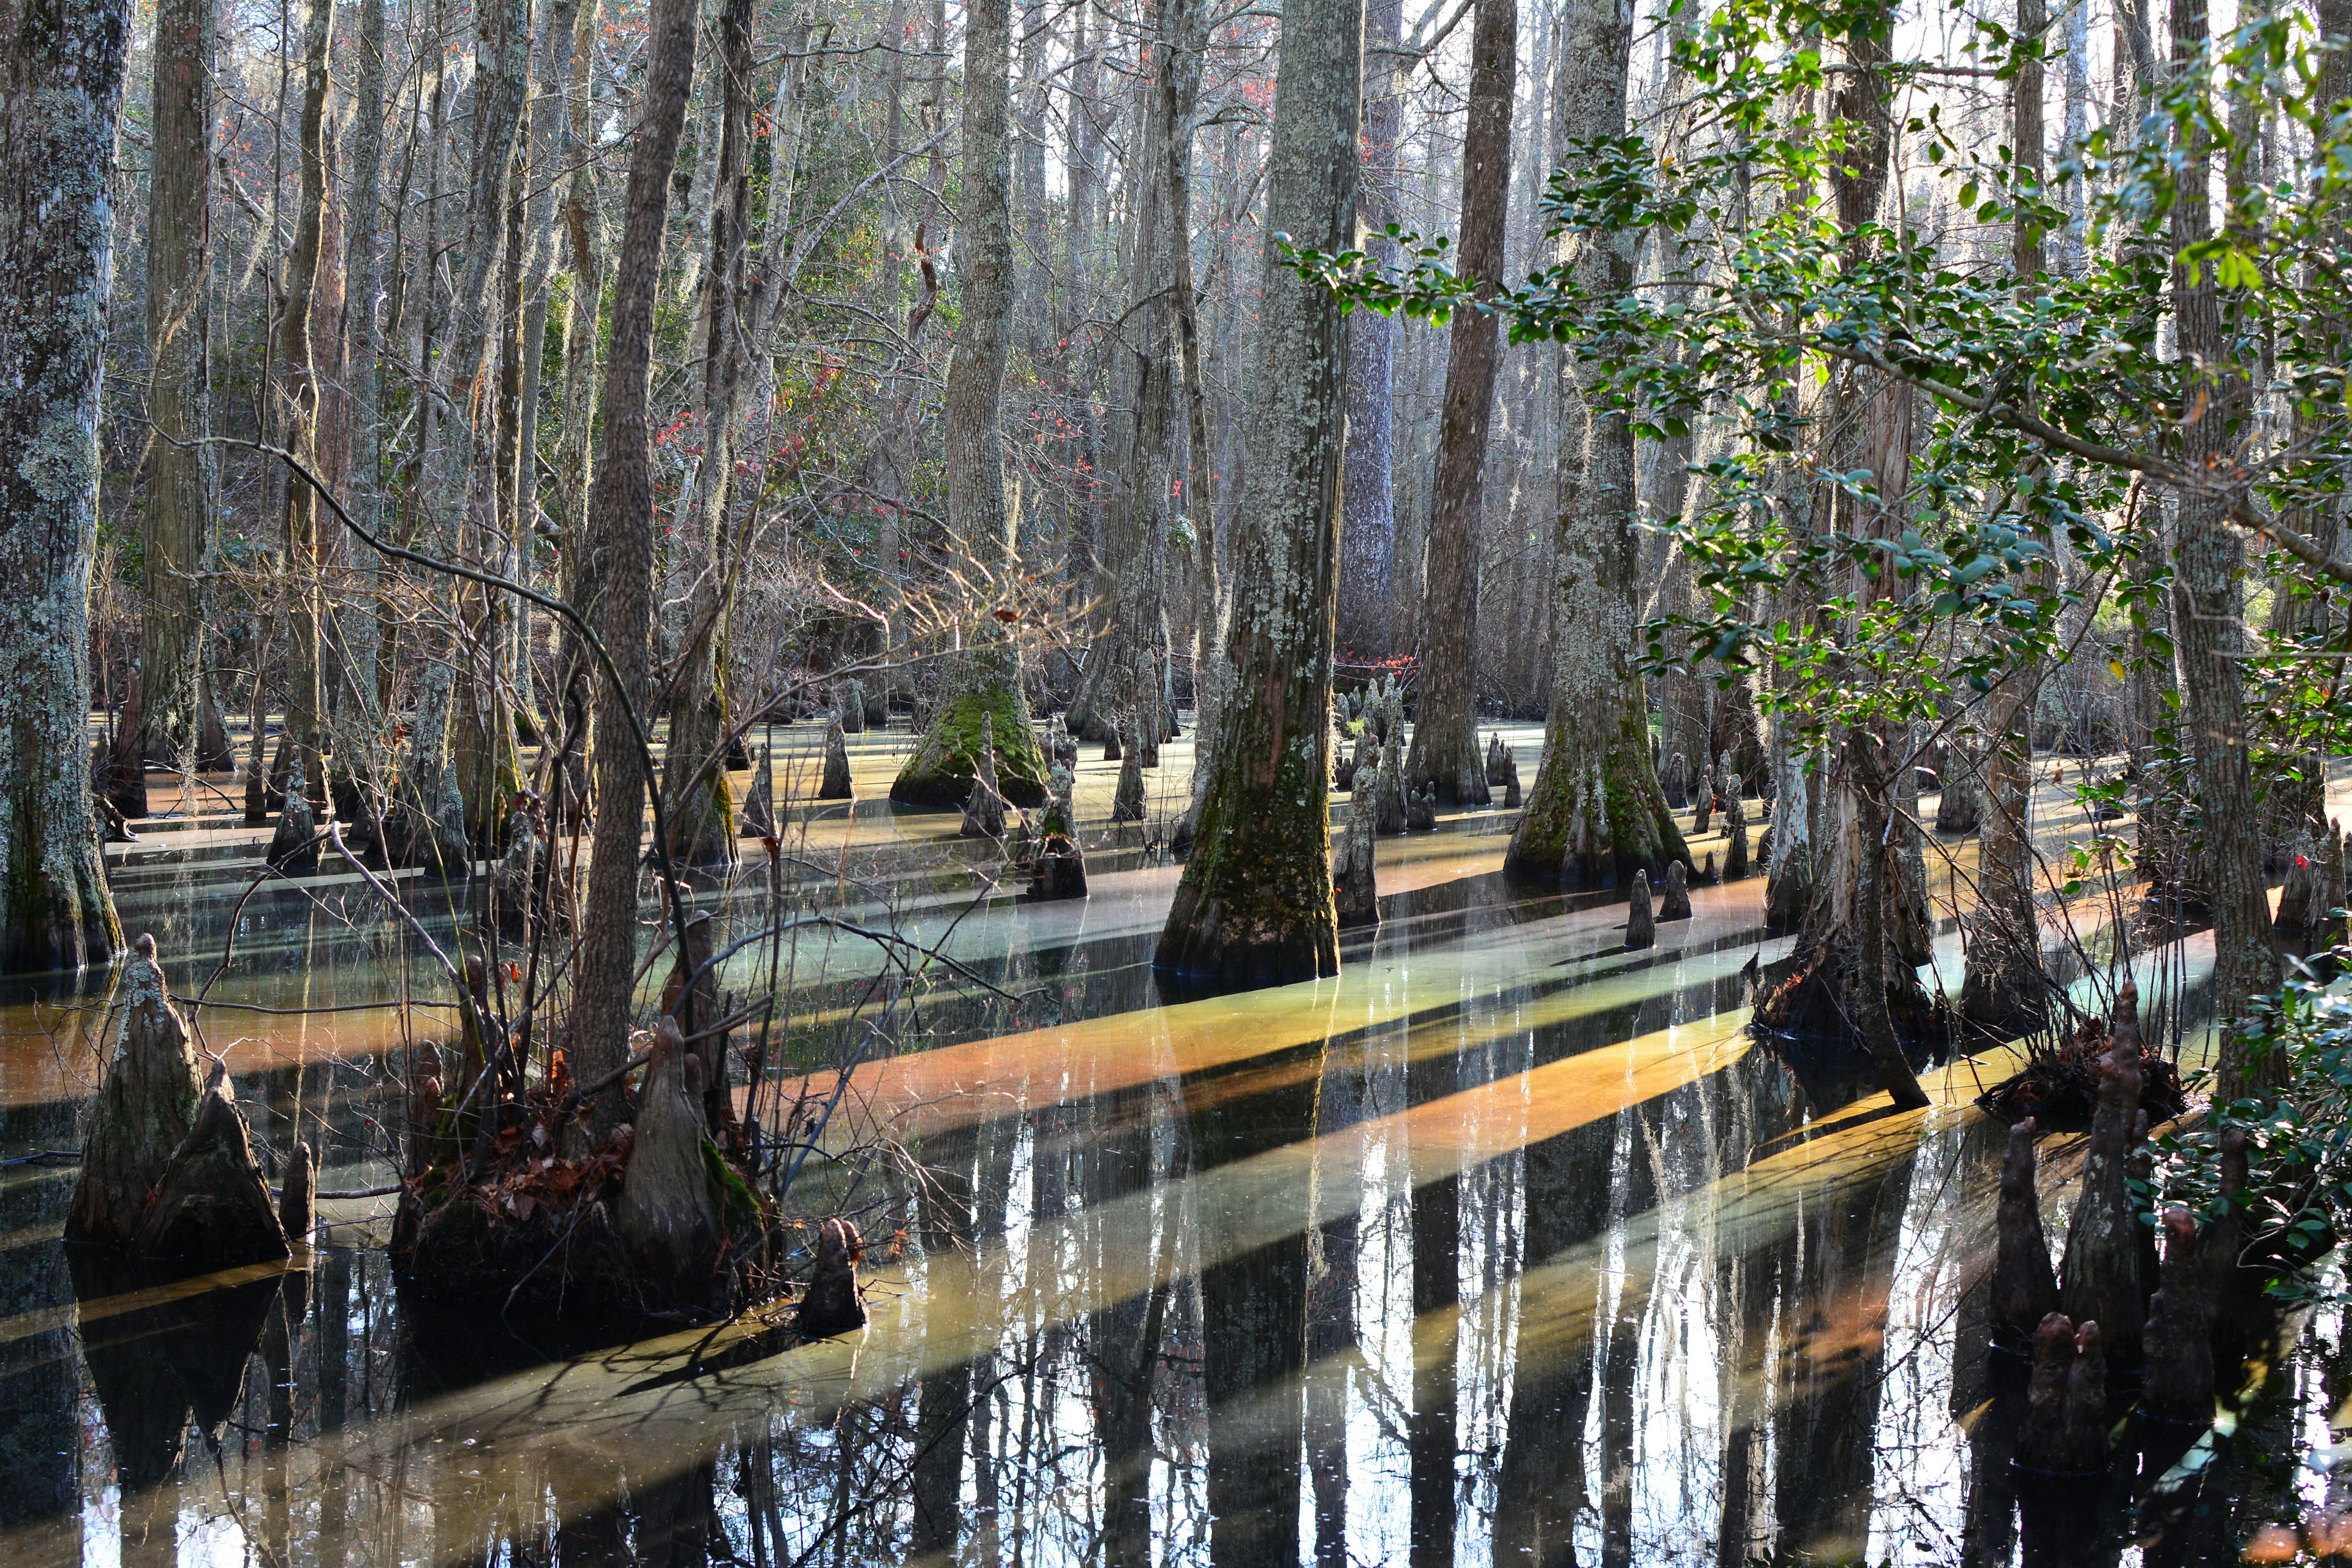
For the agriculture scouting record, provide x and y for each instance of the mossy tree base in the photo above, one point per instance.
(1597, 814)
(982, 683)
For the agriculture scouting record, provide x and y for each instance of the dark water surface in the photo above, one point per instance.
(1506, 1246)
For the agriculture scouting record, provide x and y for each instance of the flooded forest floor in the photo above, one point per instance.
(1506, 1246)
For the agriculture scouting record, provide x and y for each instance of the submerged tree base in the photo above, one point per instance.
(528, 1230)
(1809, 1005)
(983, 689)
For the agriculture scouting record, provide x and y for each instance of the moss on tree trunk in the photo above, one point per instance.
(63, 96)
(983, 683)
(1255, 903)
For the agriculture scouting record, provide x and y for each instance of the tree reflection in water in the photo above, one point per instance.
(1504, 1247)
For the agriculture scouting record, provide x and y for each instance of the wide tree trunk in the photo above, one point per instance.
(2207, 618)
(1255, 902)
(176, 708)
(620, 520)
(983, 677)
(1596, 813)
(57, 118)
(1446, 729)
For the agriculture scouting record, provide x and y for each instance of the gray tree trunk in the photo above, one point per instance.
(175, 709)
(360, 732)
(1368, 522)
(2208, 632)
(1595, 812)
(1445, 749)
(621, 538)
(459, 487)
(987, 681)
(63, 68)
(298, 420)
(1255, 902)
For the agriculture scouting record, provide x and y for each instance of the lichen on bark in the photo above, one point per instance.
(1255, 906)
(57, 115)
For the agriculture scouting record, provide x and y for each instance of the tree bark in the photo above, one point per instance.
(1446, 729)
(360, 734)
(621, 515)
(987, 680)
(2208, 631)
(1367, 520)
(175, 707)
(298, 419)
(702, 806)
(460, 489)
(1596, 812)
(1255, 903)
(58, 120)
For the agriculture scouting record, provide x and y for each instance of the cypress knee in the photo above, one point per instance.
(835, 784)
(298, 1196)
(212, 1208)
(143, 1112)
(1640, 929)
(1676, 905)
(1355, 888)
(833, 1303)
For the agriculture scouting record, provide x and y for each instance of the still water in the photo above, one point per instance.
(1505, 1247)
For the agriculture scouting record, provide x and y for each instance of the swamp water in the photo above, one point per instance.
(1506, 1246)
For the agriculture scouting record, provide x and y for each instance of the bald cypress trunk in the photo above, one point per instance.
(64, 97)
(175, 710)
(1445, 730)
(1367, 523)
(702, 806)
(1255, 902)
(620, 520)
(361, 725)
(1596, 812)
(459, 487)
(298, 419)
(2207, 618)
(984, 678)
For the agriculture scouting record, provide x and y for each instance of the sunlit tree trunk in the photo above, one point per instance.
(1255, 902)
(1595, 812)
(63, 71)
(299, 420)
(1368, 524)
(701, 807)
(176, 710)
(1445, 729)
(361, 729)
(621, 514)
(981, 679)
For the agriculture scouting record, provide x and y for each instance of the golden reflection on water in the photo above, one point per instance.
(1503, 1247)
